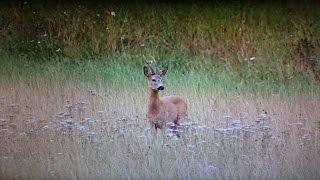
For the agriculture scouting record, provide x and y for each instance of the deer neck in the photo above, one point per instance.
(154, 103)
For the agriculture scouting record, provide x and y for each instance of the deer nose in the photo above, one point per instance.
(160, 88)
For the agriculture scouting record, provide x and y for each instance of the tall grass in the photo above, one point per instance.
(83, 120)
(66, 131)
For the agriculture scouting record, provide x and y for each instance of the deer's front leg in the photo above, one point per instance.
(154, 133)
(164, 136)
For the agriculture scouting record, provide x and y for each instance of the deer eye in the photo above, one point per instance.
(153, 80)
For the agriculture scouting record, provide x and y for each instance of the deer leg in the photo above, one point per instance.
(176, 130)
(164, 135)
(175, 127)
(154, 133)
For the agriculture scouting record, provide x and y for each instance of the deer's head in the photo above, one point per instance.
(155, 78)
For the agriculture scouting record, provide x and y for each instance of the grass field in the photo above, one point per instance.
(85, 125)
(73, 97)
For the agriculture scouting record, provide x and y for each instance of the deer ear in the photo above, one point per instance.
(163, 71)
(146, 71)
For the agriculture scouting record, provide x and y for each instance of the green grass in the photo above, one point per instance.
(125, 71)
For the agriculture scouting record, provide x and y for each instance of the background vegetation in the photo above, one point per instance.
(73, 95)
(272, 41)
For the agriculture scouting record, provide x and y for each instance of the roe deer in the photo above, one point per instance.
(162, 110)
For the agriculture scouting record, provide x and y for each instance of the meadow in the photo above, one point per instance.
(73, 97)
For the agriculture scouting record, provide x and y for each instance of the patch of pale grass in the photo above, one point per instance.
(50, 130)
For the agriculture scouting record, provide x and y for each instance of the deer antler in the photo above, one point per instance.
(150, 69)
